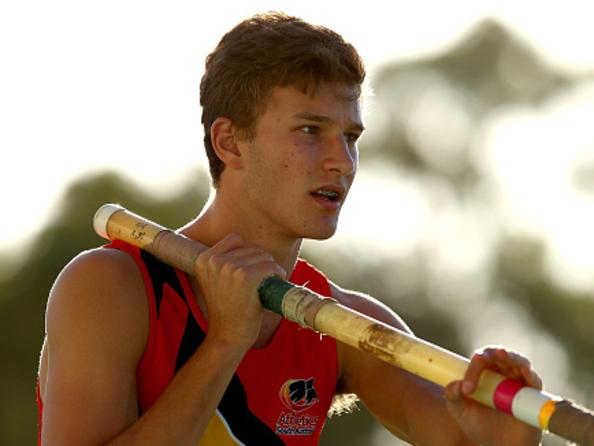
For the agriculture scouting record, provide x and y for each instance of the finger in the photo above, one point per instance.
(453, 391)
(508, 359)
(511, 364)
(521, 370)
(244, 256)
(517, 366)
(479, 362)
(455, 402)
(230, 242)
(532, 378)
(226, 244)
(252, 260)
(231, 252)
(508, 363)
(233, 249)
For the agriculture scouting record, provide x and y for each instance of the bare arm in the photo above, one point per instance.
(96, 326)
(410, 407)
(416, 410)
(96, 332)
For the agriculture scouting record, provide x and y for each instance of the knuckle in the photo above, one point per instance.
(522, 358)
(215, 262)
(227, 267)
(202, 261)
(241, 274)
(236, 238)
(260, 254)
(490, 349)
(279, 271)
(478, 356)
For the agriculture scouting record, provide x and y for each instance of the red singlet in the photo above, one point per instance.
(279, 395)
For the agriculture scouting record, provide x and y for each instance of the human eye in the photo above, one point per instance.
(310, 129)
(352, 137)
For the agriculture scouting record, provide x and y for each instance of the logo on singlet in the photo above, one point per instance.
(297, 395)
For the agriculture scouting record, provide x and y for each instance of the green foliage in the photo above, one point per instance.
(489, 69)
(565, 314)
(23, 295)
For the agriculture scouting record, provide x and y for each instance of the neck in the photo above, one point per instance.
(220, 218)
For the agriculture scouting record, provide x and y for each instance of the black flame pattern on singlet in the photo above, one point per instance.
(246, 427)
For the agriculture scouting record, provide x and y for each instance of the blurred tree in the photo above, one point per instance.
(434, 109)
(23, 295)
(567, 315)
(451, 93)
(430, 110)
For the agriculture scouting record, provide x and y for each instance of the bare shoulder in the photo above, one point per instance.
(96, 331)
(97, 302)
(98, 281)
(100, 263)
(368, 305)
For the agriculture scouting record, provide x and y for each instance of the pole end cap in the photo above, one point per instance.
(102, 216)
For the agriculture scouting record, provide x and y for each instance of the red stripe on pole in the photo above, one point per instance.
(505, 393)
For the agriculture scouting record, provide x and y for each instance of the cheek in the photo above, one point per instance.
(295, 163)
(304, 157)
(295, 174)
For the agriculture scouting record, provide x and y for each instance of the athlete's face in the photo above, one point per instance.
(303, 158)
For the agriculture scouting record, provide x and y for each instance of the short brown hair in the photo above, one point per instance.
(262, 52)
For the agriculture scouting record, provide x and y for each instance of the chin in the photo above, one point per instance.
(316, 229)
(321, 233)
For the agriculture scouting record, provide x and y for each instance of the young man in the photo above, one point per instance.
(138, 353)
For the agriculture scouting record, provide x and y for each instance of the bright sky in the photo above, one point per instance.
(114, 84)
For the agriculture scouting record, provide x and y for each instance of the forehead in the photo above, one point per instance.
(334, 100)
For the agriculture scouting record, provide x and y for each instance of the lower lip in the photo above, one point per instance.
(326, 204)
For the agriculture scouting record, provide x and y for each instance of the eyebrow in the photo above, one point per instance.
(354, 125)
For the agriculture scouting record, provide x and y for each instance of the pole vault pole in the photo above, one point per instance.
(536, 408)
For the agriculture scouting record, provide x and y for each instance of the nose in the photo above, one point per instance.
(342, 157)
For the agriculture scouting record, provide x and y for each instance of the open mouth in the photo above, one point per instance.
(327, 195)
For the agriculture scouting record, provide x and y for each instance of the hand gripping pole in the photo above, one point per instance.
(536, 408)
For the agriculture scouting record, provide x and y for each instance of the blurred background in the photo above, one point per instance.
(472, 212)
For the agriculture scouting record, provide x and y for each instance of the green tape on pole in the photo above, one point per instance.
(272, 290)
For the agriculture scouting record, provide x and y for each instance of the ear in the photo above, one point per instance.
(225, 142)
